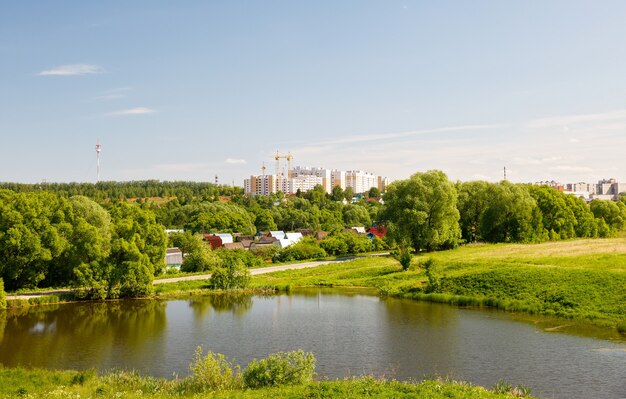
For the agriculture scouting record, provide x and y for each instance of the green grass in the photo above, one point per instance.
(583, 280)
(24, 383)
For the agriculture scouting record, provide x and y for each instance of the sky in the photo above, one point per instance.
(190, 90)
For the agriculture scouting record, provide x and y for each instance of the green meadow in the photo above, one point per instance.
(583, 280)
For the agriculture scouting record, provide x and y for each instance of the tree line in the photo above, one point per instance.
(429, 212)
(110, 247)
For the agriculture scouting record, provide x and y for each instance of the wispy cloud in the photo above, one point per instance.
(234, 161)
(566, 120)
(73, 70)
(388, 136)
(132, 111)
(113, 94)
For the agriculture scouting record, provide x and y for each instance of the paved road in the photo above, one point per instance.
(261, 270)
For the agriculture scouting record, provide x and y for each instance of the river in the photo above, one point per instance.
(350, 332)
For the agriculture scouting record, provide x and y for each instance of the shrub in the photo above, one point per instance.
(404, 256)
(306, 248)
(248, 258)
(232, 274)
(334, 245)
(265, 253)
(3, 295)
(621, 327)
(213, 372)
(201, 259)
(282, 368)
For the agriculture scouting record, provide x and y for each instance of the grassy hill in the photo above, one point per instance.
(580, 279)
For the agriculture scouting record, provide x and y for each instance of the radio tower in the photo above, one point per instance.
(98, 149)
(505, 173)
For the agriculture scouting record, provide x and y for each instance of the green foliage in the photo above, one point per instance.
(232, 274)
(266, 253)
(346, 243)
(557, 215)
(511, 215)
(217, 217)
(403, 254)
(421, 211)
(282, 368)
(373, 193)
(201, 259)
(356, 215)
(3, 295)
(613, 214)
(249, 259)
(213, 372)
(307, 248)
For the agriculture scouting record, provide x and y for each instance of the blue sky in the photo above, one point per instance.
(188, 90)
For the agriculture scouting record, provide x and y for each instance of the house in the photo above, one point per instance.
(277, 234)
(378, 231)
(173, 257)
(233, 246)
(227, 238)
(215, 241)
(264, 242)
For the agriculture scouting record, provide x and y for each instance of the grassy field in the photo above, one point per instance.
(583, 280)
(22, 383)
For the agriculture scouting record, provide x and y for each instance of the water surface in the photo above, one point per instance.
(349, 333)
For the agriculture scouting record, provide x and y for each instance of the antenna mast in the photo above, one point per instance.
(505, 173)
(98, 149)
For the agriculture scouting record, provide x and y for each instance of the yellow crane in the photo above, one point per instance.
(288, 157)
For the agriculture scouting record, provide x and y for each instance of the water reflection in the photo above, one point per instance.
(349, 332)
(82, 335)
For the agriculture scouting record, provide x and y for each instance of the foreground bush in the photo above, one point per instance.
(213, 372)
(282, 368)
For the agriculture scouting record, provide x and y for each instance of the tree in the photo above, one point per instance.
(356, 215)
(557, 216)
(337, 194)
(232, 274)
(137, 251)
(374, 192)
(512, 215)
(613, 214)
(218, 217)
(421, 212)
(348, 193)
(472, 202)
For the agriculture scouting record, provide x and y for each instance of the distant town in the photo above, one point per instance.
(606, 189)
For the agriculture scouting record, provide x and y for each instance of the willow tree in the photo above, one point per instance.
(421, 212)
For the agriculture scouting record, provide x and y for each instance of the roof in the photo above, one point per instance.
(226, 237)
(278, 234)
(233, 245)
(360, 229)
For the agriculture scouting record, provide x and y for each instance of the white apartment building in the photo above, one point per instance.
(360, 181)
(306, 178)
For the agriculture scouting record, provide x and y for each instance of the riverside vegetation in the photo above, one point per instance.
(283, 375)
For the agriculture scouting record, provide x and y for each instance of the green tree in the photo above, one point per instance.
(231, 275)
(374, 192)
(218, 217)
(3, 295)
(557, 216)
(512, 215)
(613, 214)
(421, 212)
(348, 193)
(356, 215)
(337, 194)
(137, 251)
(472, 202)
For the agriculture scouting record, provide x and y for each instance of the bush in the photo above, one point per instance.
(201, 259)
(248, 258)
(307, 248)
(404, 256)
(265, 253)
(213, 372)
(334, 245)
(3, 295)
(282, 368)
(231, 275)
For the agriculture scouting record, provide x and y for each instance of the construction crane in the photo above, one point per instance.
(288, 157)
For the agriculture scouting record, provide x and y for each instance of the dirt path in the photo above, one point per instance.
(254, 272)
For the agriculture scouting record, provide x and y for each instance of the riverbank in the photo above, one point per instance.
(581, 280)
(37, 383)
